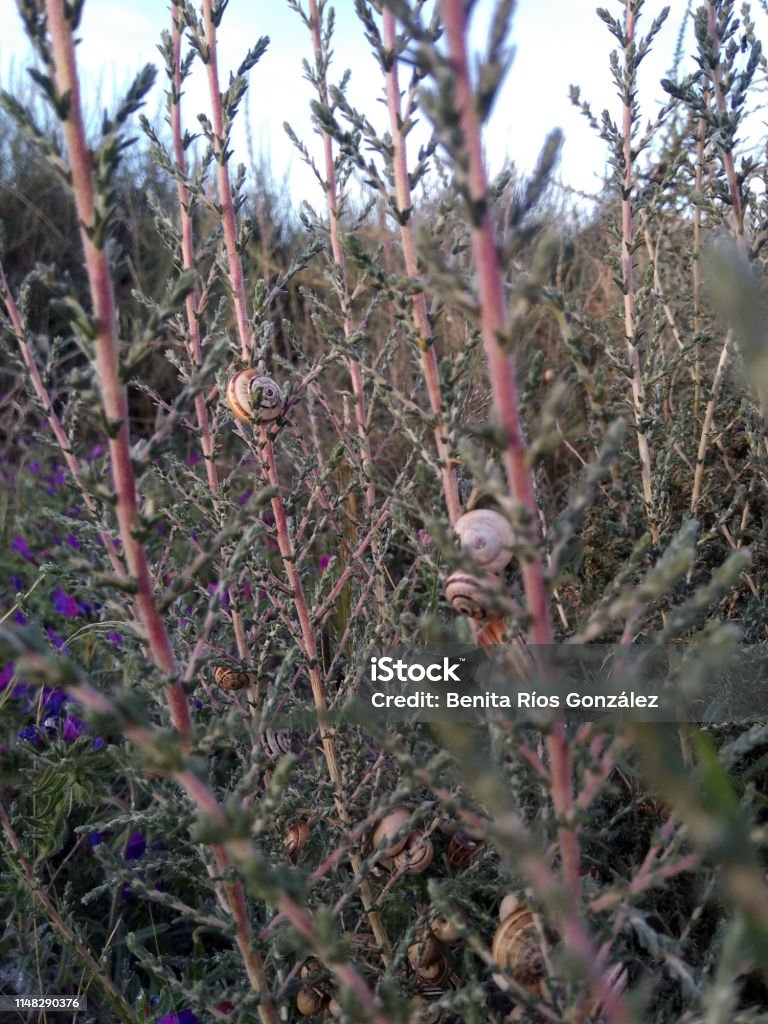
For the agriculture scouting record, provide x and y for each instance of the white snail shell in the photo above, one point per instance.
(390, 826)
(248, 385)
(487, 537)
(416, 855)
(516, 948)
(477, 597)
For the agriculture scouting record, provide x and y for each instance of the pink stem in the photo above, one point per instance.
(419, 301)
(228, 218)
(113, 392)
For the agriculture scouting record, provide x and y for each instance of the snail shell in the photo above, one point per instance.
(248, 387)
(477, 597)
(276, 742)
(516, 949)
(463, 847)
(295, 838)
(487, 537)
(310, 1000)
(231, 678)
(393, 822)
(416, 855)
(445, 930)
(429, 960)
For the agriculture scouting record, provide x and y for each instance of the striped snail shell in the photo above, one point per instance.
(463, 847)
(276, 742)
(487, 537)
(430, 961)
(389, 828)
(231, 678)
(416, 855)
(516, 948)
(249, 387)
(295, 838)
(477, 597)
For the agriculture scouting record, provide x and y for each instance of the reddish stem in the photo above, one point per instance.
(228, 218)
(113, 393)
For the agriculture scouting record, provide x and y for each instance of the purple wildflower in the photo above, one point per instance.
(182, 1017)
(94, 838)
(73, 541)
(98, 743)
(20, 619)
(19, 544)
(73, 728)
(135, 847)
(54, 700)
(65, 604)
(324, 562)
(114, 637)
(32, 734)
(95, 451)
(17, 583)
(6, 675)
(57, 640)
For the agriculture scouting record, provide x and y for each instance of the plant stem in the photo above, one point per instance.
(628, 277)
(228, 218)
(113, 392)
(418, 302)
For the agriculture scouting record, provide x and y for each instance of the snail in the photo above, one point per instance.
(276, 742)
(310, 1000)
(446, 930)
(477, 597)
(295, 838)
(487, 537)
(416, 855)
(516, 947)
(389, 829)
(248, 387)
(231, 678)
(463, 847)
(429, 960)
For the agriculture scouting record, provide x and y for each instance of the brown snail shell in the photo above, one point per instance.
(416, 855)
(430, 961)
(463, 847)
(310, 1000)
(487, 537)
(516, 949)
(276, 742)
(231, 678)
(445, 930)
(249, 386)
(478, 597)
(295, 838)
(393, 822)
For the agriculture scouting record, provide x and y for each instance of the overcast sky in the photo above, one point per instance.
(558, 42)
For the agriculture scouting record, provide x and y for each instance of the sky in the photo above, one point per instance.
(557, 43)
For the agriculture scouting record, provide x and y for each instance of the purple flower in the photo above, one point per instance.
(20, 618)
(94, 838)
(6, 675)
(57, 640)
(324, 562)
(73, 541)
(34, 466)
(135, 847)
(98, 743)
(114, 637)
(73, 728)
(95, 451)
(182, 1017)
(425, 539)
(53, 700)
(17, 582)
(19, 544)
(65, 604)
(32, 734)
